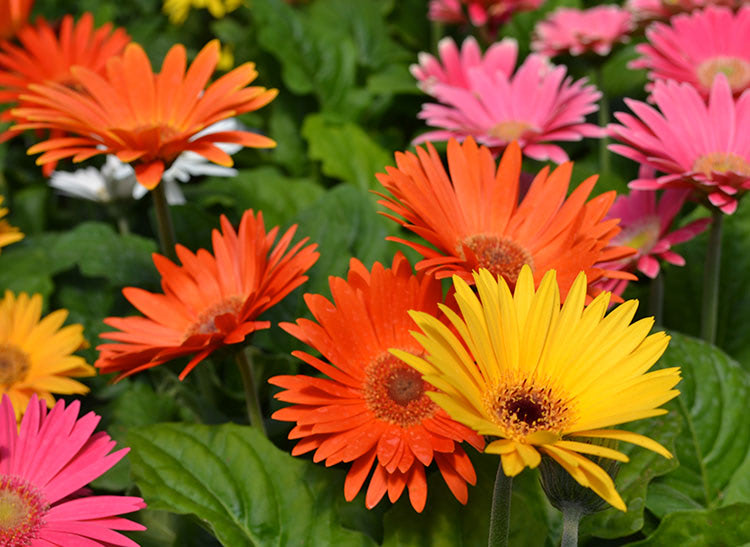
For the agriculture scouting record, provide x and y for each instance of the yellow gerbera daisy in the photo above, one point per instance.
(8, 234)
(35, 352)
(178, 10)
(542, 378)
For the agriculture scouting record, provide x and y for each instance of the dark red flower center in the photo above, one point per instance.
(525, 408)
(14, 364)
(22, 510)
(395, 392)
(501, 256)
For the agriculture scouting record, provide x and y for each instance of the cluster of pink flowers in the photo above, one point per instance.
(491, 13)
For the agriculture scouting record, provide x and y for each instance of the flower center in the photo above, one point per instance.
(14, 364)
(395, 392)
(510, 130)
(721, 162)
(22, 509)
(641, 236)
(524, 408)
(736, 70)
(205, 323)
(501, 256)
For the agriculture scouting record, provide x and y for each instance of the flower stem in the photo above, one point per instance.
(500, 513)
(603, 121)
(571, 518)
(245, 364)
(711, 279)
(656, 298)
(123, 226)
(167, 240)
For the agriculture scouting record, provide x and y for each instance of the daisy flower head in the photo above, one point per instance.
(479, 13)
(695, 47)
(697, 145)
(370, 409)
(210, 301)
(472, 216)
(453, 64)
(645, 11)
(575, 31)
(178, 10)
(541, 378)
(36, 353)
(8, 234)
(13, 15)
(45, 466)
(536, 106)
(144, 118)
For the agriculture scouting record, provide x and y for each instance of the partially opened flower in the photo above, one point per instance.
(45, 466)
(542, 379)
(453, 65)
(13, 15)
(8, 234)
(370, 409)
(36, 353)
(45, 54)
(472, 216)
(704, 147)
(178, 10)
(211, 301)
(491, 13)
(695, 47)
(537, 106)
(144, 118)
(575, 31)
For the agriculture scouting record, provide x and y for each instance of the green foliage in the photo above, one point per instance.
(726, 525)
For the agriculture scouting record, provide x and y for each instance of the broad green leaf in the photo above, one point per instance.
(617, 79)
(714, 445)
(28, 265)
(393, 79)
(728, 525)
(347, 152)
(243, 488)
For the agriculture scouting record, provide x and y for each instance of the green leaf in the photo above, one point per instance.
(28, 265)
(393, 79)
(244, 489)
(713, 448)
(728, 525)
(617, 79)
(347, 152)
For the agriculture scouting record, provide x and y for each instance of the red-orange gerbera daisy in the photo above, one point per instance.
(473, 217)
(373, 408)
(46, 55)
(208, 302)
(145, 118)
(13, 15)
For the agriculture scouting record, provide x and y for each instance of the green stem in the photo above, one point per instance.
(245, 364)
(711, 279)
(167, 239)
(437, 31)
(500, 513)
(123, 226)
(603, 121)
(656, 298)
(571, 518)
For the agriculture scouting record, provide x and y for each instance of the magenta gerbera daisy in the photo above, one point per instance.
(44, 466)
(576, 31)
(648, 10)
(695, 47)
(479, 12)
(453, 65)
(536, 105)
(698, 145)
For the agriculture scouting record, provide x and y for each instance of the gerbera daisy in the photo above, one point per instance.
(45, 55)
(648, 10)
(13, 15)
(36, 353)
(210, 301)
(541, 379)
(453, 66)
(178, 10)
(695, 47)
(371, 409)
(143, 118)
(8, 234)
(536, 105)
(576, 31)
(479, 12)
(697, 145)
(45, 466)
(473, 218)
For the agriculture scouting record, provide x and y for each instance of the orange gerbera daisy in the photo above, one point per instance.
(474, 219)
(45, 55)
(373, 408)
(145, 118)
(208, 302)
(13, 15)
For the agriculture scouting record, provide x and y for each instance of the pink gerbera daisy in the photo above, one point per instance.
(534, 106)
(575, 31)
(697, 145)
(453, 66)
(695, 47)
(648, 10)
(44, 466)
(479, 12)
